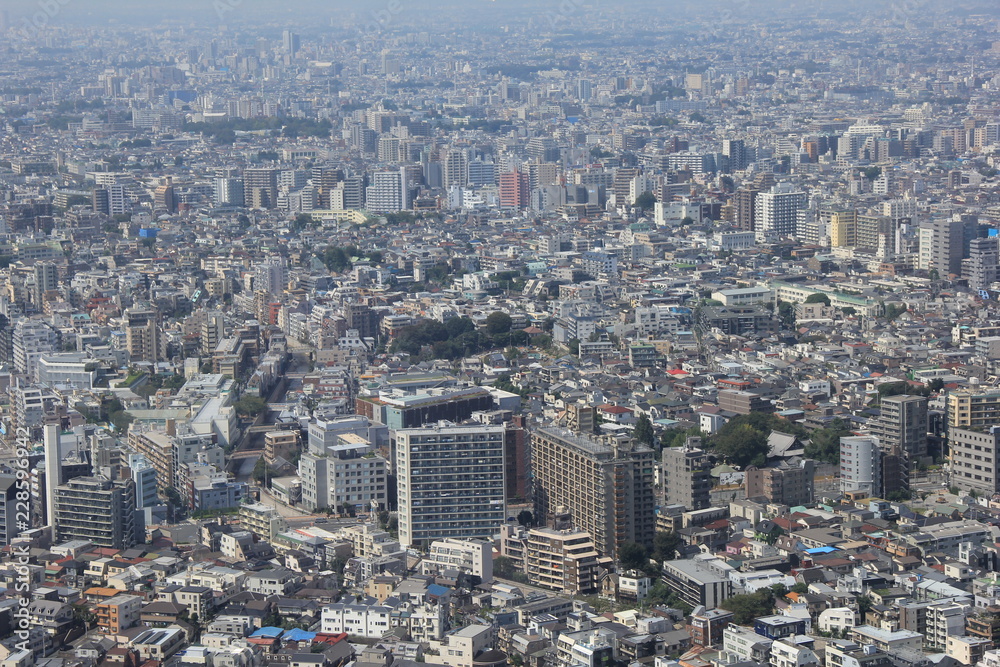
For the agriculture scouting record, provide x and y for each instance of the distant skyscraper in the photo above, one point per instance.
(290, 42)
(736, 151)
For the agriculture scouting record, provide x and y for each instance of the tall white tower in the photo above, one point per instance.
(53, 457)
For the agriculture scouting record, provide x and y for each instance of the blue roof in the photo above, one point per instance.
(270, 632)
(298, 635)
(437, 590)
(822, 550)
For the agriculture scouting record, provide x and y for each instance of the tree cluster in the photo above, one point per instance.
(456, 338)
(749, 606)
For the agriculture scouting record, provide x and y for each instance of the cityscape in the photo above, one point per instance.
(574, 333)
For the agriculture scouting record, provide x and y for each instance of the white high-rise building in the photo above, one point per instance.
(776, 212)
(32, 339)
(389, 192)
(144, 476)
(860, 465)
(455, 168)
(451, 482)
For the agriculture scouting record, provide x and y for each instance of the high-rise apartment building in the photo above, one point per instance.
(46, 278)
(97, 510)
(8, 509)
(982, 266)
(227, 191)
(142, 335)
(736, 152)
(745, 208)
(455, 168)
(32, 339)
(687, 477)
(260, 188)
(973, 408)
(942, 240)
(903, 423)
(563, 560)
(213, 330)
(450, 482)
(514, 190)
(389, 192)
(271, 276)
(144, 476)
(975, 459)
(776, 212)
(861, 465)
(606, 484)
(349, 473)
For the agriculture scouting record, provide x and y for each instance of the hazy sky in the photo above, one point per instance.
(100, 12)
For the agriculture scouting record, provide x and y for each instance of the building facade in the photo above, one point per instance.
(450, 482)
(606, 484)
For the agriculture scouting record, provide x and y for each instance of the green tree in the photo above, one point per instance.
(645, 201)
(526, 518)
(741, 445)
(302, 221)
(748, 606)
(665, 545)
(505, 568)
(250, 406)
(498, 323)
(644, 431)
(818, 298)
(574, 346)
(824, 443)
(872, 173)
(633, 556)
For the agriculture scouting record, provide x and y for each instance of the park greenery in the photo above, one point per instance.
(457, 338)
